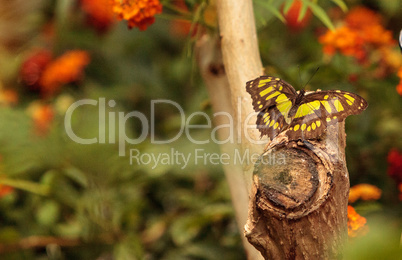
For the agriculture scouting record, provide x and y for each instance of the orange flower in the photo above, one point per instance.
(8, 97)
(377, 36)
(42, 116)
(361, 32)
(399, 87)
(365, 192)
(65, 69)
(33, 66)
(360, 17)
(394, 159)
(344, 40)
(355, 223)
(99, 13)
(4, 190)
(180, 27)
(138, 13)
(292, 17)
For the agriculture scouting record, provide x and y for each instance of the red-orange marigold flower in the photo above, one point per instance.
(138, 13)
(360, 17)
(345, 40)
(4, 190)
(65, 69)
(33, 66)
(292, 16)
(365, 192)
(377, 35)
(400, 191)
(180, 27)
(395, 165)
(99, 13)
(361, 32)
(8, 97)
(399, 87)
(42, 116)
(355, 223)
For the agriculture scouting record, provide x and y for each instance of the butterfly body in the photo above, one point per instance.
(303, 115)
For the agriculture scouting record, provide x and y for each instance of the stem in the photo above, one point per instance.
(29, 186)
(33, 242)
(173, 8)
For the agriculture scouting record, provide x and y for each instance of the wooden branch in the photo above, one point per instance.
(298, 208)
(242, 62)
(209, 57)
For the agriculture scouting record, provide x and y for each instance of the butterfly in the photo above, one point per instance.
(305, 115)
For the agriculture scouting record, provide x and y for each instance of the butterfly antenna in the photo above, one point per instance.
(311, 77)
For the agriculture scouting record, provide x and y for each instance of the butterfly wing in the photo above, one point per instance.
(272, 99)
(320, 109)
(265, 90)
(271, 122)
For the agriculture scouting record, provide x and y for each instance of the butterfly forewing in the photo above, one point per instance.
(272, 99)
(266, 90)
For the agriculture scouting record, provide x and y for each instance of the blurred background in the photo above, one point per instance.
(64, 200)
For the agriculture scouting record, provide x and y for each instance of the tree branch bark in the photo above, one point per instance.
(242, 61)
(209, 57)
(298, 206)
(225, 81)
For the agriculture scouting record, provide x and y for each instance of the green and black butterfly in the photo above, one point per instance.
(304, 115)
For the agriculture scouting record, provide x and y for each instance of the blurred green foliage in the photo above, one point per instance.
(111, 208)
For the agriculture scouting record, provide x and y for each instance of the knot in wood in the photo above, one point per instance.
(288, 178)
(292, 180)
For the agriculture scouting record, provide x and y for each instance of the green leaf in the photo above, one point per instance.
(320, 14)
(287, 6)
(271, 8)
(9, 235)
(48, 213)
(341, 5)
(129, 249)
(76, 175)
(26, 185)
(390, 7)
(186, 228)
(276, 13)
(303, 12)
(72, 228)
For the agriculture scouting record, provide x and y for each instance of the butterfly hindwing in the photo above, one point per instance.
(271, 122)
(323, 108)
